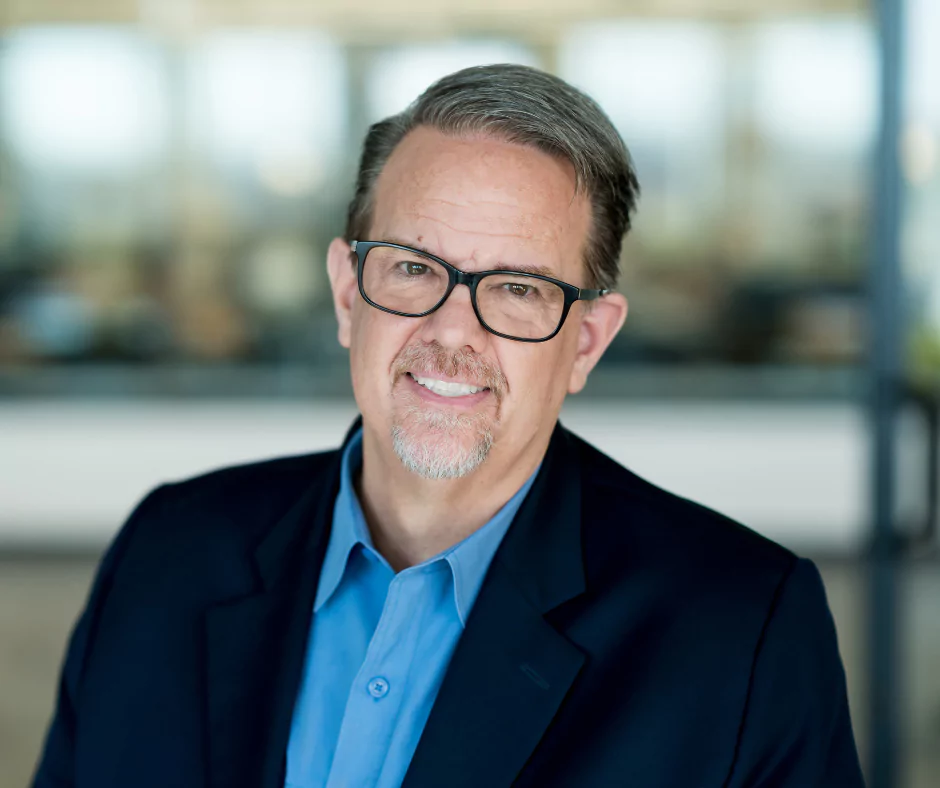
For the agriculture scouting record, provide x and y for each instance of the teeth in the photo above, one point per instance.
(445, 388)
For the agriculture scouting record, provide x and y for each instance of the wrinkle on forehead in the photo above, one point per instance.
(501, 222)
(438, 186)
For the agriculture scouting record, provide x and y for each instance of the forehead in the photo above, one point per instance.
(480, 198)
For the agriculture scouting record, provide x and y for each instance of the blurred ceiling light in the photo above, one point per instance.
(660, 82)
(919, 153)
(87, 99)
(815, 84)
(176, 16)
(289, 173)
(254, 93)
(399, 75)
(281, 275)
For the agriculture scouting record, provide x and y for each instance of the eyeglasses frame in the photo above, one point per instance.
(471, 280)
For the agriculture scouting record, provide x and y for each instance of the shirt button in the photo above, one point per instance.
(378, 687)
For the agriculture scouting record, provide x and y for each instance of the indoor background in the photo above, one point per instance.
(172, 171)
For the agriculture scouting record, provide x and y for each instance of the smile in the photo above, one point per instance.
(445, 388)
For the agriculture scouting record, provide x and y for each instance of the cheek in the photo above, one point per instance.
(554, 371)
(377, 338)
(364, 358)
(537, 379)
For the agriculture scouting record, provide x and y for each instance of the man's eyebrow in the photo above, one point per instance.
(410, 244)
(522, 268)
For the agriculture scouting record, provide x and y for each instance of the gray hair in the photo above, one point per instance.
(530, 107)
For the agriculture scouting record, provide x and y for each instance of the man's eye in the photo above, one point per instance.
(414, 269)
(519, 290)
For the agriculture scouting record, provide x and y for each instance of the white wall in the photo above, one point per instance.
(71, 471)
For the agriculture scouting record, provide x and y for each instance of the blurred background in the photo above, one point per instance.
(172, 171)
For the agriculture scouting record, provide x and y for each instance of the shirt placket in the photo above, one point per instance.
(378, 691)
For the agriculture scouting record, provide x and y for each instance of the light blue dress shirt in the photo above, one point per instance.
(379, 646)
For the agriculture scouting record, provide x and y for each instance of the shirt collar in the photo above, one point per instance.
(349, 525)
(469, 560)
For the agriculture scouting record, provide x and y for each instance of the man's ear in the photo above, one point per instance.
(345, 285)
(599, 325)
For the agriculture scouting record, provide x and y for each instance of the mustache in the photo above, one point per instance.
(433, 357)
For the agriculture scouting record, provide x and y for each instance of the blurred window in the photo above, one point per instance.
(85, 100)
(272, 103)
(816, 86)
(398, 75)
(921, 165)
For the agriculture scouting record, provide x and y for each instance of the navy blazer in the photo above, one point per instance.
(623, 636)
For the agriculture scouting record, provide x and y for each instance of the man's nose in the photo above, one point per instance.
(454, 324)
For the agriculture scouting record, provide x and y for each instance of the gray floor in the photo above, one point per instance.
(40, 597)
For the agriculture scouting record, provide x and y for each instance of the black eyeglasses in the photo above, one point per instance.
(512, 304)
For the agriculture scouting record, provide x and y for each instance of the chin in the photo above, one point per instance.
(440, 445)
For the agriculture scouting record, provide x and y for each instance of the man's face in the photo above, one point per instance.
(480, 204)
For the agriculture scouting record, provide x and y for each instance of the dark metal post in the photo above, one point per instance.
(886, 366)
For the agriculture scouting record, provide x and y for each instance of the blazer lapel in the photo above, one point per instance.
(511, 669)
(255, 646)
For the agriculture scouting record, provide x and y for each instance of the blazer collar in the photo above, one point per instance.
(311, 516)
(542, 550)
(511, 668)
(255, 644)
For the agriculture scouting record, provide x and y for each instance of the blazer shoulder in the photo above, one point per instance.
(234, 485)
(646, 523)
(207, 524)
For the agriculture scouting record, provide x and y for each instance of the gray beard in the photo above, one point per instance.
(439, 454)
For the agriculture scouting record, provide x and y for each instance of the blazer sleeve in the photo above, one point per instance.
(55, 768)
(796, 731)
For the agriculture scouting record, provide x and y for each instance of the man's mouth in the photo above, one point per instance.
(446, 388)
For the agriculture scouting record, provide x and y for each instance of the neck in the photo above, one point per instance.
(412, 518)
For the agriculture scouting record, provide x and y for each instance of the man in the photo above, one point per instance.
(464, 594)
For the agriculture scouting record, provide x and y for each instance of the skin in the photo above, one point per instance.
(480, 203)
